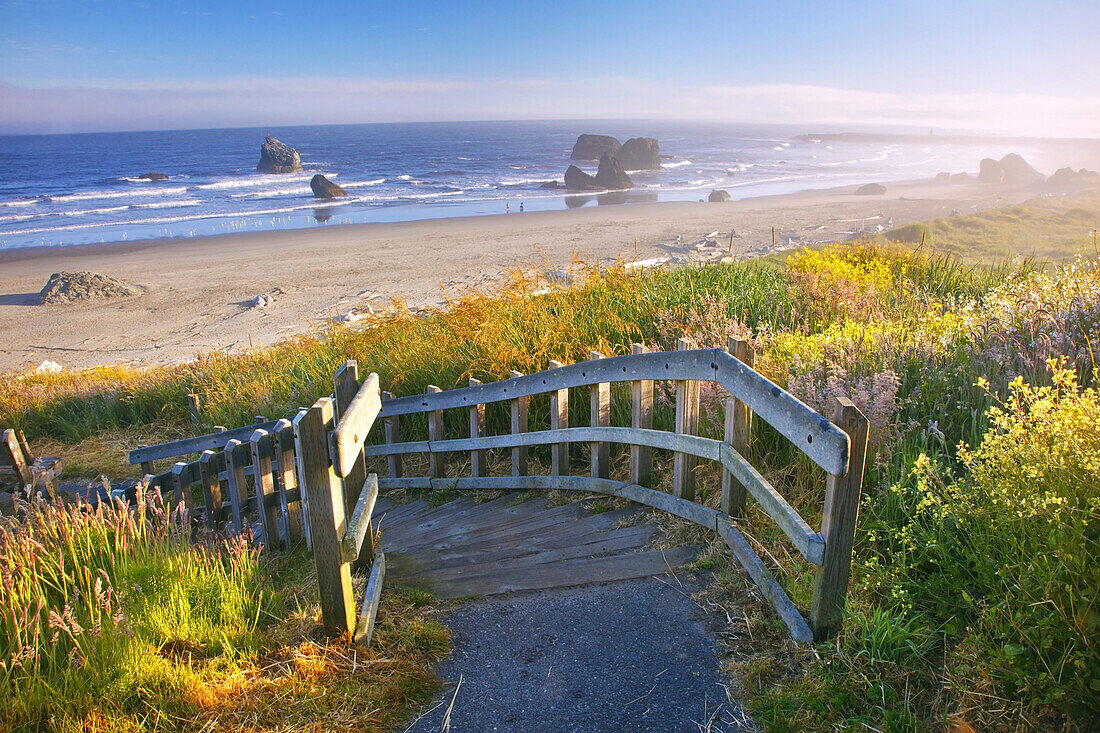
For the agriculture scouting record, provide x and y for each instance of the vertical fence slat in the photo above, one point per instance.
(283, 433)
(600, 417)
(838, 524)
(641, 411)
(393, 431)
(210, 465)
(559, 420)
(477, 428)
(327, 520)
(261, 446)
(519, 425)
(738, 432)
(687, 423)
(436, 466)
(181, 486)
(235, 460)
(346, 385)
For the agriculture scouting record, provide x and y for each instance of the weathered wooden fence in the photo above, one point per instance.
(837, 445)
(308, 477)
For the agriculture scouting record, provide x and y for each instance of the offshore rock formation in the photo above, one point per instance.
(153, 176)
(640, 154)
(609, 177)
(718, 196)
(323, 188)
(278, 157)
(1011, 169)
(871, 189)
(592, 147)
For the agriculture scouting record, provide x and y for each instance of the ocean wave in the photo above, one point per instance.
(676, 164)
(92, 212)
(739, 168)
(937, 156)
(261, 180)
(510, 182)
(95, 195)
(361, 184)
(167, 204)
(20, 202)
(405, 177)
(21, 217)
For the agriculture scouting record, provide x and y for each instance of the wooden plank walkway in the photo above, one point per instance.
(513, 543)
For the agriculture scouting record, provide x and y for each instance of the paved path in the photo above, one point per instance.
(629, 656)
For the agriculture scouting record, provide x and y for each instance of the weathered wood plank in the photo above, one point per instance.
(210, 465)
(477, 427)
(641, 411)
(738, 432)
(364, 627)
(559, 419)
(236, 456)
(822, 441)
(187, 446)
(563, 574)
(687, 423)
(600, 416)
(326, 516)
(260, 445)
(356, 421)
(392, 426)
(359, 528)
(437, 467)
(838, 525)
(283, 434)
(772, 591)
(520, 407)
(13, 454)
(353, 467)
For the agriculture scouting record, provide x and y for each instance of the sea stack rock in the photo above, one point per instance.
(1015, 170)
(1065, 176)
(871, 189)
(611, 174)
(989, 171)
(943, 176)
(153, 176)
(578, 180)
(592, 147)
(71, 287)
(323, 188)
(640, 154)
(277, 157)
(718, 196)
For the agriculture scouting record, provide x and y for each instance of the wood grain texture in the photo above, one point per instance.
(641, 417)
(477, 428)
(327, 519)
(838, 525)
(687, 423)
(520, 407)
(599, 397)
(436, 465)
(559, 419)
(392, 427)
(261, 447)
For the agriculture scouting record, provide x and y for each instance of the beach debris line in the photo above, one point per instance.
(71, 287)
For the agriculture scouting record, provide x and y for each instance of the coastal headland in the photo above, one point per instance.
(200, 294)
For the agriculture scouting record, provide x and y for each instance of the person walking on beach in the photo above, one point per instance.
(521, 207)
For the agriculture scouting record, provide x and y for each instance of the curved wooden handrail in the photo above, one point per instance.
(824, 443)
(808, 542)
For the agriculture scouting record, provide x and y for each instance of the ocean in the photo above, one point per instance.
(62, 190)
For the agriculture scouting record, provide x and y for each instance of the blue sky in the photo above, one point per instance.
(98, 64)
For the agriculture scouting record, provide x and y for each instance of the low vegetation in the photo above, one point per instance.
(975, 578)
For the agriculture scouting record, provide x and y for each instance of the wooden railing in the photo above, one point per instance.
(308, 477)
(838, 446)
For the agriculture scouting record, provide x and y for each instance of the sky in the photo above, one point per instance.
(991, 66)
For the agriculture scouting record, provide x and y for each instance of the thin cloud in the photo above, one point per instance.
(247, 101)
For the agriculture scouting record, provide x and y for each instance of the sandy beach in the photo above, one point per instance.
(198, 291)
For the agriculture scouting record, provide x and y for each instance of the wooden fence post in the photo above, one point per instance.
(519, 425)
(210, 465)
(346, 385)
(641, 410)
(393, 431)
(283, 434)
(327, 520)
(600, 417)
(738, 432)
(235, 460)
(477, 427)
(838, 524)
(687, 423)
(196, 416)
(263, 476)
(559, 420)
(436, 466)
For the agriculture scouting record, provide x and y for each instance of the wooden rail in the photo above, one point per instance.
(307, 478)
(838, 446)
